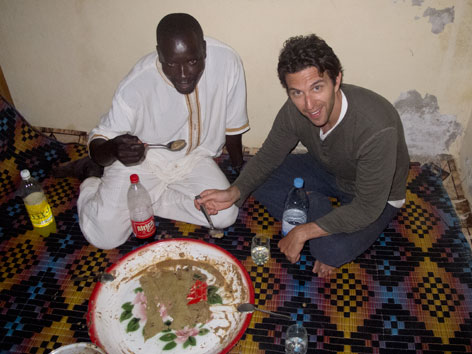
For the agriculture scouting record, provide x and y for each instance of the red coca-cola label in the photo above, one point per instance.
(144, 229)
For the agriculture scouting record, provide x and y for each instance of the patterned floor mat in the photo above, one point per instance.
(410, 292)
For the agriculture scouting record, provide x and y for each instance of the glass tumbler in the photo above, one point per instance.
(260, 249)
(296, 340)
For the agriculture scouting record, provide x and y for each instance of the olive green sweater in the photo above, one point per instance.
(366, 152)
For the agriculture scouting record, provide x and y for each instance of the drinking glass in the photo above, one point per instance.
(296, 340)
(260, 249)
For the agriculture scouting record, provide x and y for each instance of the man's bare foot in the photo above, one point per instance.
(323, 270)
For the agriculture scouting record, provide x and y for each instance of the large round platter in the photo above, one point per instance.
(113, 321)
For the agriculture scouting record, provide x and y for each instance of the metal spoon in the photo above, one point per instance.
(175, 145)
(251, 308)
(102, 277)
(214, 232)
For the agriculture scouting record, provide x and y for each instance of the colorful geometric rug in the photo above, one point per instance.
(411, 292)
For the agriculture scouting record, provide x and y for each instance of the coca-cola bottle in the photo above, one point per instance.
(140, 209)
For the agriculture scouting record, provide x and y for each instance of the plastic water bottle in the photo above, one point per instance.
(296, 207)
(36, 204)
(140, 209)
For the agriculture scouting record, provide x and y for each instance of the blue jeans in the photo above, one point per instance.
(335, 249)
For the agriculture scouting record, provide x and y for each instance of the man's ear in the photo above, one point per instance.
(204, 49)
(339, 79)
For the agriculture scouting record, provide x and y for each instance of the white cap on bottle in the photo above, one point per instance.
(25, 174)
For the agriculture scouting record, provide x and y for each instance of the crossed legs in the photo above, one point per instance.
(102, 205)
(330, 251)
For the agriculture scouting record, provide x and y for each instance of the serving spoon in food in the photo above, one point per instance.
(247, 307)
(175, 145)
(102, 277)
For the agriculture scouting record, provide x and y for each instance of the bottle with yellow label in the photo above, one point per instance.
(36, 204)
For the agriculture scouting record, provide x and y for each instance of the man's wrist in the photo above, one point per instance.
(236, 193)
(314, 231)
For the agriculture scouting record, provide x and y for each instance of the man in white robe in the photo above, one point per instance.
(191, 88)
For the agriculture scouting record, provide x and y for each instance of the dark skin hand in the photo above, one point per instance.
(235, 150)
(127, 149)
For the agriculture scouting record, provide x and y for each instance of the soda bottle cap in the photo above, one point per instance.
(25, 174)
(134, 178)
(298, 182)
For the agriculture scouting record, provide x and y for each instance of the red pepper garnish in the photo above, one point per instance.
(198, 292)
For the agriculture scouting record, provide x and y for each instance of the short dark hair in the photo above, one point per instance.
(301, 52)
(177, 24)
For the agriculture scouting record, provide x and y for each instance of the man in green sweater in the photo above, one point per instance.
(356, 153)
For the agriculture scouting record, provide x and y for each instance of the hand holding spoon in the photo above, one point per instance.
(175, 145)
(214, 232)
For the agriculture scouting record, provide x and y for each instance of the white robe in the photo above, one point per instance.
(147, 105)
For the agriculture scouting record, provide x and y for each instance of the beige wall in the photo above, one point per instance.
(63, 59)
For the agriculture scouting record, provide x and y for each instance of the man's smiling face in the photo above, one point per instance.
(315, 96)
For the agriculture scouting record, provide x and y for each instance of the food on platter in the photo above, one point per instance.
(170, 296)
(177, 294)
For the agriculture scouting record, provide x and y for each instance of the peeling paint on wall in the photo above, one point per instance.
(416, 2)
(439, 18)
(468, 174)
(427, 131)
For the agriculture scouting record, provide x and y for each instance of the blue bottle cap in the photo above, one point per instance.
(298, 182)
